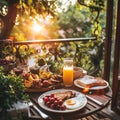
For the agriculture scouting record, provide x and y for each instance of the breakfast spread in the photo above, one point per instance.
(39, 79)
(90, 81)
(35, 81)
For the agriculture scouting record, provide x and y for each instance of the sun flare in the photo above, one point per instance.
(36, 27)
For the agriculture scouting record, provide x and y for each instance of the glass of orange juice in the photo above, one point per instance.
(68, 72)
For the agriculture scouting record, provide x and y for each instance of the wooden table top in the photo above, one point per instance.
(96, 101)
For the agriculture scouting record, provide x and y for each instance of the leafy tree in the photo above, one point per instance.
(79, 18)
(75, 21)
(10, 8)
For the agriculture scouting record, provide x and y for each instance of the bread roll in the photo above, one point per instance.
(79, 72)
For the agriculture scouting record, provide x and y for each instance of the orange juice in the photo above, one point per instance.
(68, 76)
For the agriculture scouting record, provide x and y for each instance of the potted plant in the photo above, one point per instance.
(11, 91)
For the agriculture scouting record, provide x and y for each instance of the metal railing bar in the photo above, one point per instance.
(54, 40)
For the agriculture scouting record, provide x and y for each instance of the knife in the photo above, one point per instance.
(94, 100)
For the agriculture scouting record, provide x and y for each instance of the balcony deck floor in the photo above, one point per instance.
(105, 114)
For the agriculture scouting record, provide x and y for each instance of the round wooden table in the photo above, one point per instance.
(96, 101)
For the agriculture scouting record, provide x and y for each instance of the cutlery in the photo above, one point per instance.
(94, 100)
(42, 114)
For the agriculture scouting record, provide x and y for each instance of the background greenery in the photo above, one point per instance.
(62, 20)
(82, 19)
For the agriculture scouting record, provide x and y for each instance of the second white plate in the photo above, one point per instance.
(92, 88)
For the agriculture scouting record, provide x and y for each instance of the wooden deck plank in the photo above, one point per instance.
(95, 118)
(90, 118)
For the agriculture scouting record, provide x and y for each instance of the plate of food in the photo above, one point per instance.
(93, 83)
(62, 101)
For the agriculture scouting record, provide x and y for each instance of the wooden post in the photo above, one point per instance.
(108, 40)
(115, 85)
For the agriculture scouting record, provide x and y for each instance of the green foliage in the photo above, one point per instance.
(5, 49)
(11, 90)
(83, 19)
(75, 20)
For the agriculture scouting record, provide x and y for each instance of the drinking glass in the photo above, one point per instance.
(68, 72)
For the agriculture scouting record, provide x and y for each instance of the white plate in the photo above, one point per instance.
(92, 88)
(82, 99)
